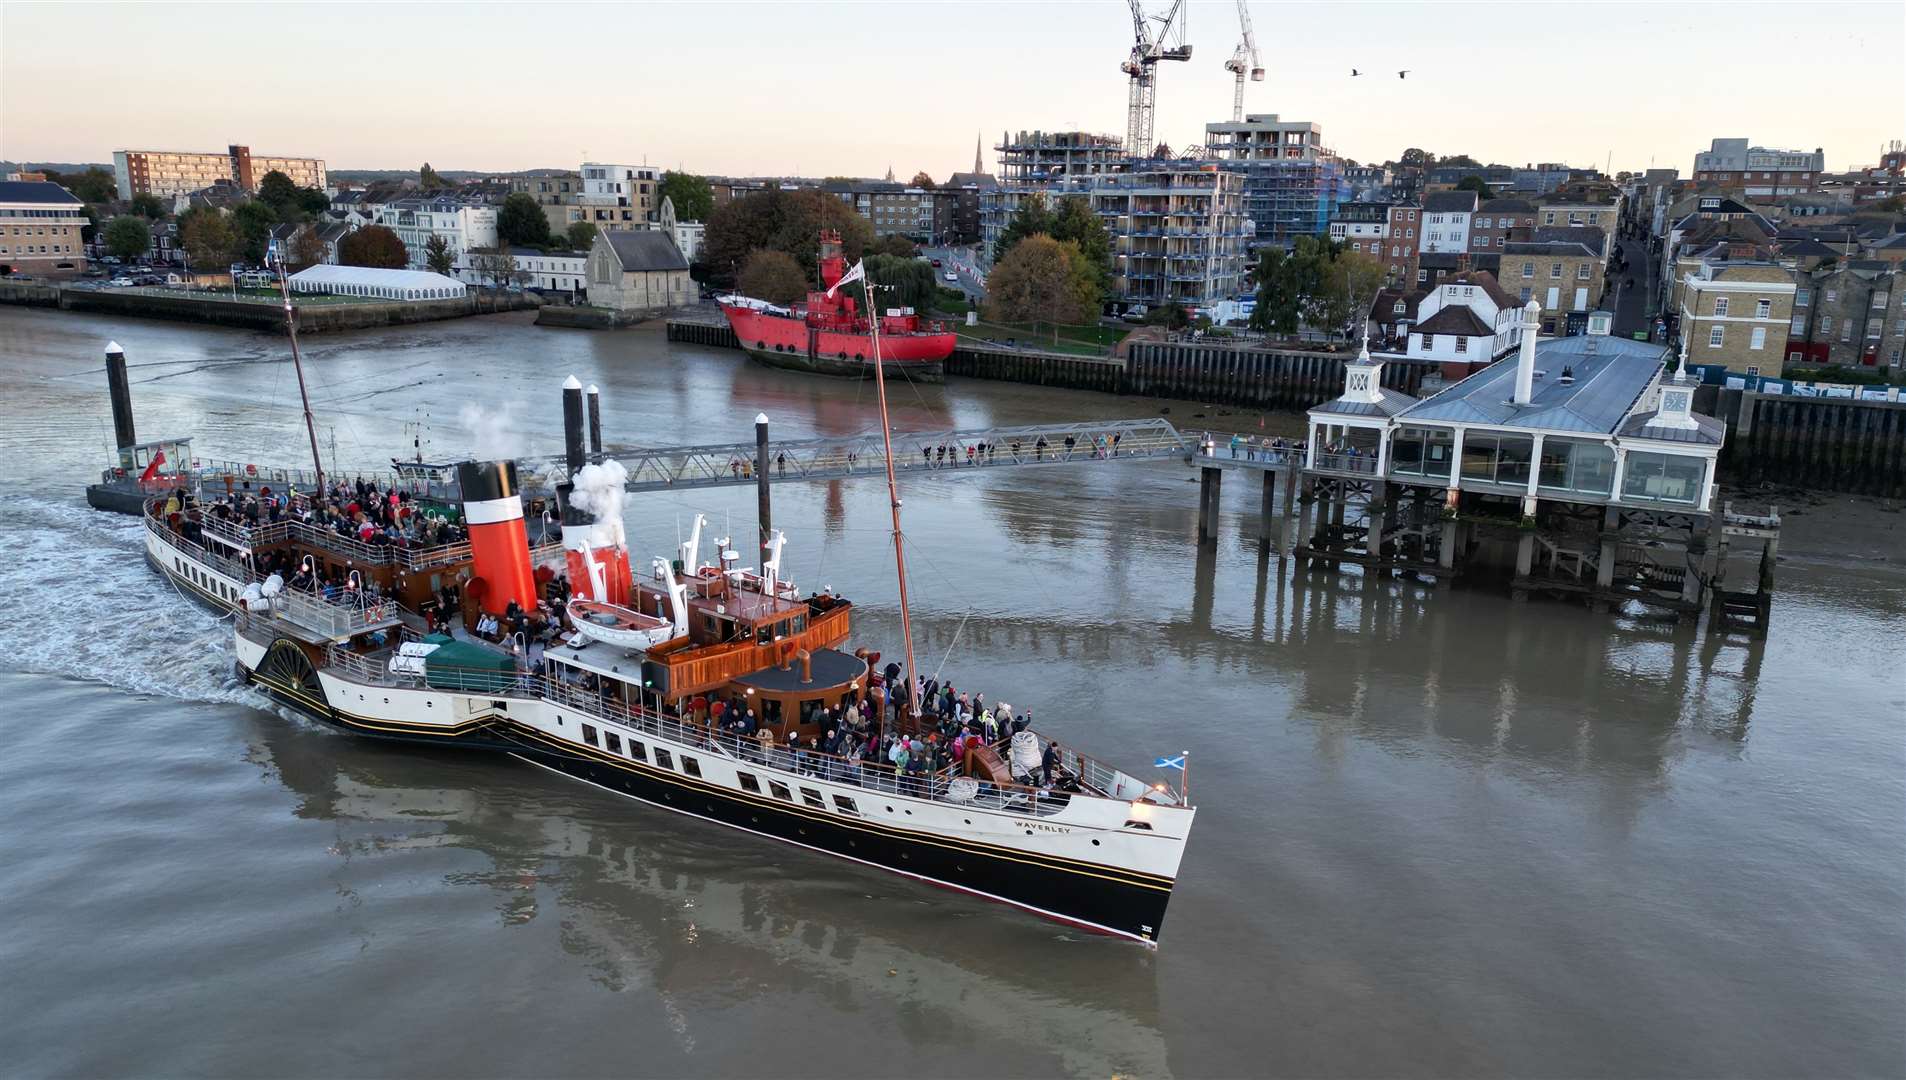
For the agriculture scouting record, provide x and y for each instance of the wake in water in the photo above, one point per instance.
(113, 620)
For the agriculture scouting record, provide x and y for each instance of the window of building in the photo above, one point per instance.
(664, 758)
(1581, 272)
(1429, 342)
(1758, 339)
(589, 734)
(1497, 459)
(1874, 327)
(1422, 276)
(1662, 477)
(748, 782)
(691, 766)
(1826, 324)
(780, 790)
(1555, 270)
(1398, 307)
(1720, 306)
(1715, 336)
(1797, 328)
(1526, 293)
(1832, 295)
(1576, 465)
(1548, 218)
(1462, 344)
(1879, 300)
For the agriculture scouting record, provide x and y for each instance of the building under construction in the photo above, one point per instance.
(1035, 157)
(1293, 183)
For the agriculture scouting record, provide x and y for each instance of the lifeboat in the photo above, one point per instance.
(613, 624)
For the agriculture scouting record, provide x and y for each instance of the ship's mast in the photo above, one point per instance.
(291, 327)
(893, 497)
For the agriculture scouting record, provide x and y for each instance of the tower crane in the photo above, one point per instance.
(1243, 59)
(1147, 50)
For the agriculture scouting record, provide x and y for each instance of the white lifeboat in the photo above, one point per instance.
(613, 624)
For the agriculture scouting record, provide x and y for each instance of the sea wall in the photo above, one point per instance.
(584, 317)
(313, 318)
(1819, 443)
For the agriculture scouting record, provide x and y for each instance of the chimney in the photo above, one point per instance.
(572, 425)
(1525, 360)
(499, 545)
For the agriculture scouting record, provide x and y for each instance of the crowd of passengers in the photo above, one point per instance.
(359, 509)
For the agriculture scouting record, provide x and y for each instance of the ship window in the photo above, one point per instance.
(663, 758)
(612, 742)
(589, 734)
(800, 623)
(846, 805)
(813, 798)
(764, 634)
(638, 751)
(691, 766)
(748, 782)
(780, 790)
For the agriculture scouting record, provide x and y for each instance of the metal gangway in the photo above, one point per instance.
(950, 452)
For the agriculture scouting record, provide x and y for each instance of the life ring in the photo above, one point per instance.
(251, 470)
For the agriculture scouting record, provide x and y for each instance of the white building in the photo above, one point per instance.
(372, 283)
(618, 197)
(565, 272)
(462, 225)
(1467, 320)
(1446, 218)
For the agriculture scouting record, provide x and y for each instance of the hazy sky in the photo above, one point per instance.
(820, 88)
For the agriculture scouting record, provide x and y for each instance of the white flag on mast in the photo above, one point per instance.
(851, 276)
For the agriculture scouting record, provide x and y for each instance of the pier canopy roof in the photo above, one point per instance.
(1605, 377)
(372, 282)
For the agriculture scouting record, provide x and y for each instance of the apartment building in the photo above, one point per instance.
(180, 172)
(1293, 182)
(1039, 157)
(1738, 313)
(1851, 313)
(618, 198)
(1446, 219)
(1362, 226)
(463, 225)
(1496, 222)
(1560, 269)
(1584, 210)
(1759, 172)
(40, 229)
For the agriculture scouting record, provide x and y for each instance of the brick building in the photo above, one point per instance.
(40, 229)
(1851, 314)
(1738, 313)
(1561, 269)
(181, 172)
(1758, 172)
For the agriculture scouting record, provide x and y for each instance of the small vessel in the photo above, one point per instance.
(832, 333)
(635, 702)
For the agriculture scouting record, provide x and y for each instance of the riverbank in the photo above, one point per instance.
(258, 313)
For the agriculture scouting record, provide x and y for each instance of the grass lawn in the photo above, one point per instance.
(1084, 340)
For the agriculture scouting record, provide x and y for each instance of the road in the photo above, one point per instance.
(959, 260)
(1636, 284)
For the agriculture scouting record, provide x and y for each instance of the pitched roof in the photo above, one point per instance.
(1383, 308)
(1455, 319)
(1390, 403)
(644, 250)
(1897, 240)
(1706, 430)
(1807, 248)
(36, 191)
(1487, 282)
(1610, 375)
(1444, 202)
(1508, 206)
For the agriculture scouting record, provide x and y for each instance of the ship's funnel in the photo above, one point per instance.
(598, 565)
(499, 544)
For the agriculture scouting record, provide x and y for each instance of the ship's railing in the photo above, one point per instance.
(373, 669)
(331, 620)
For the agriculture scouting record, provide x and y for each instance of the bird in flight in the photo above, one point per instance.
(1354, 73)
(1402, 73)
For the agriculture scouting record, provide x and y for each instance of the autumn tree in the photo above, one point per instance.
(522, 221)
(1041, 280)
(373, 246)
(581, 235)
(773, 276)
(694, 200)
(891, 244)
(428, 179)
(786, 221)
(437, 254)
(252, 220)
(128, 236)
(210, 241)
(307, 250)
(278, 191)
(1350, 285)
(922, 180)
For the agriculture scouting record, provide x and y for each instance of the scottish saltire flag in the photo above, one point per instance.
(1170, 762)
(859, 271)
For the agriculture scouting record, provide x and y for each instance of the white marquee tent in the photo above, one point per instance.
(377, 284)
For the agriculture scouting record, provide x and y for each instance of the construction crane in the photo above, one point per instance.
(1147, 50)
(1243, 59)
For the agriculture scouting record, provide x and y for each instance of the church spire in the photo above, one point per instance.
(977, 170)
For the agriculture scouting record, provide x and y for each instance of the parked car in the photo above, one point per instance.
(1135, 313)
(953, 277)
(936, 264)
(121, 282)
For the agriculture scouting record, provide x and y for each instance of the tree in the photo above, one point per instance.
(1416, 157)
(148, 205)
(1077, 222)
(1460, 161)
(891, 244)
(279, 192)
(437, 254)
(375, 246)
(922, 180)
(1350, 285)
(1040, 280)
(773, 276)
(907, 281)
(307, 250)
(313, 201)
(1289, 283)
(521, 221)
(1477, 184)
(95, 185)
(210, 241)
(1169, 316)
(253, 221)
(1033, 218)
(786, 221)
(581, 235)
(128, 237)
(694, 200)
(498, 264)
(428, 179)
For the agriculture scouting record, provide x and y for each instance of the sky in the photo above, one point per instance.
(815, 88)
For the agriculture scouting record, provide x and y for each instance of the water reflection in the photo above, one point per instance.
(687, 908)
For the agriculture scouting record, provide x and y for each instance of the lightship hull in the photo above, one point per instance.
(785, 342)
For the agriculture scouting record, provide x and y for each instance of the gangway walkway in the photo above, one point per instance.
(949, 451)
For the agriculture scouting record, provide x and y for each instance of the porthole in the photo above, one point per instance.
(1095, 843)
(1028, 832)
(909, 813)
(889, 809)
(969, 821)
(760, 344)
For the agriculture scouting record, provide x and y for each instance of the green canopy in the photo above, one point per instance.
(459, 665)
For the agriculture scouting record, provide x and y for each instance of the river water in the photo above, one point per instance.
(1440, 834)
